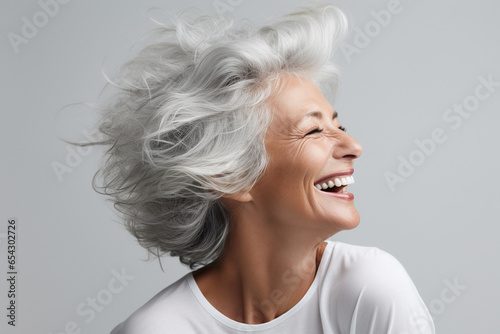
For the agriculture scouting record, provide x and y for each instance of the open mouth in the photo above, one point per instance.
(335, 185)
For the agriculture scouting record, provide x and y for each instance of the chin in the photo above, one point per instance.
(347, 222)
(353, 224)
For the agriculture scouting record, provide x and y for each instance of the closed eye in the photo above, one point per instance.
(317, 130)
(314, 131)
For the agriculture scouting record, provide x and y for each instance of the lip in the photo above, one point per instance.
(346, 196)
(328, 177)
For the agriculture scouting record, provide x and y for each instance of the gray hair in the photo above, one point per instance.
(187, 125)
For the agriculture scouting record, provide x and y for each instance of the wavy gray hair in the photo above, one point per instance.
(188, 123)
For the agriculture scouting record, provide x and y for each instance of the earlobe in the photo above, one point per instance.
(240, 197)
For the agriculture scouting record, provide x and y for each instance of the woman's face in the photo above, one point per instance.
(307, 148)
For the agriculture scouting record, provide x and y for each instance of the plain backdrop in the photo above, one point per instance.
(403, 79)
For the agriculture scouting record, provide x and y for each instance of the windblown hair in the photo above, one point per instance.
(187, 124)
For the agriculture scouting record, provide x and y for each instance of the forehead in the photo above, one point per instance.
(297, 98)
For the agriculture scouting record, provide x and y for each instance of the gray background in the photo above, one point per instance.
(441, 222)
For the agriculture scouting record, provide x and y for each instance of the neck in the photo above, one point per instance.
(264, 271)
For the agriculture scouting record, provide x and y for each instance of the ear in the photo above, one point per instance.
(241, 197)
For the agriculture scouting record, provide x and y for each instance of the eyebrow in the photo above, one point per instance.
(317, 114)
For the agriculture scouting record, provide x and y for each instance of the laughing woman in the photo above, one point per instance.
(225, 152)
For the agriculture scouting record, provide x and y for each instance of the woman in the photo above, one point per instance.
(224, 151)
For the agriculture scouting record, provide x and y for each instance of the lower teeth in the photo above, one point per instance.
(336, 190)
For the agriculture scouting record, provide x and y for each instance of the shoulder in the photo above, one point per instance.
(358, 263)
(374, 288)
(160, 312)
(368, 271)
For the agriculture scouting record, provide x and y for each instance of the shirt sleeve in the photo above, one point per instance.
(386, 299)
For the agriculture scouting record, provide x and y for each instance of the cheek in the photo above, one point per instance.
(316, 154)
(312, 158)
(299, 164)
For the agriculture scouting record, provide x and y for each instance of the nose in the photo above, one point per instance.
(347, 148)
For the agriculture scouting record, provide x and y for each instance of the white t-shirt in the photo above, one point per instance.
(357, 290)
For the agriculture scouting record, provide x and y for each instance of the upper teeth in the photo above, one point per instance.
(336, 182)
